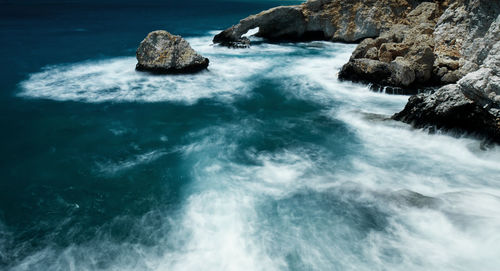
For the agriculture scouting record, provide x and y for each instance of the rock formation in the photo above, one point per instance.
(439, 41)
(334, 20)
(403, 54)
(162, 52)
(406, 44)
(449, 109)
(473, 103)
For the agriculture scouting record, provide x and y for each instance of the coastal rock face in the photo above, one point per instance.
(449, 109)
(464, 36)
(440, 41)
(335, 20)
(408, 45)
(162, 52)
(286, 22)
(473, 103)
(406, 50)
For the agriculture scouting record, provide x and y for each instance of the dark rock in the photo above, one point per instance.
(366, 70)
(448, 109)
(398, 73)
(162, 52)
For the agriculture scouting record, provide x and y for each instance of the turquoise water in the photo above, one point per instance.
(264, 162)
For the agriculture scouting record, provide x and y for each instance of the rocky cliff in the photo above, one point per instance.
(468, 33)
(406, 44)
(335, 20)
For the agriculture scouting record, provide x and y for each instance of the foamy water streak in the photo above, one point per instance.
(400, 199)
(115, 80)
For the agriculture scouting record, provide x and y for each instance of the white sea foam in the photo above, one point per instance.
(113, 168)
(115, 80)
(294, 209)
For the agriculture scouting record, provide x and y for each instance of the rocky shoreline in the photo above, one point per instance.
(451, 45)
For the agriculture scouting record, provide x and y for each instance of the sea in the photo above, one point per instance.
(265, 161)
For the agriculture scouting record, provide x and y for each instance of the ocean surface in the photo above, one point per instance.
(264, 162)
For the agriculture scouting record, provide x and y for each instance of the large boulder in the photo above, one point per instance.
(162, 52)
(395, 73)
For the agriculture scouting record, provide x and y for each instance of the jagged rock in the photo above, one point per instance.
(396, 73)
(162, 52)
(411, 43)
(335, 20)
(366, 70)
(449, 109)
(464, 35)
(406, 44)
(473, 103)
(402, 74)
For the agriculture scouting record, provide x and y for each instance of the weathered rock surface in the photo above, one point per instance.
(449, 109)
(464, 35)
(406, 44)
(335, 20)
(405, 49)
(162, 52)
(440, 41)
(473, 103)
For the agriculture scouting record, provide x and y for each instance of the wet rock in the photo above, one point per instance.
(396, 73)
(162, 52)
(366, 70)
(406, 45)
(449, 109)
(473, 59)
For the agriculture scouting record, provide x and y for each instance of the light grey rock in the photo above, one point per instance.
(464, 36)
(162, 52)
(335, 20)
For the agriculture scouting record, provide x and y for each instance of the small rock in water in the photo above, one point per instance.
(162, 52)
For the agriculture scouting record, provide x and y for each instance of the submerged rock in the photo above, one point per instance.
(413, 199)
(162, 52)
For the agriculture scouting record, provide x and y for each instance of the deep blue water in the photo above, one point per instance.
(263, 162)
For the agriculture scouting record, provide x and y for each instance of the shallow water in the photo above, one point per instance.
(264, 162)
